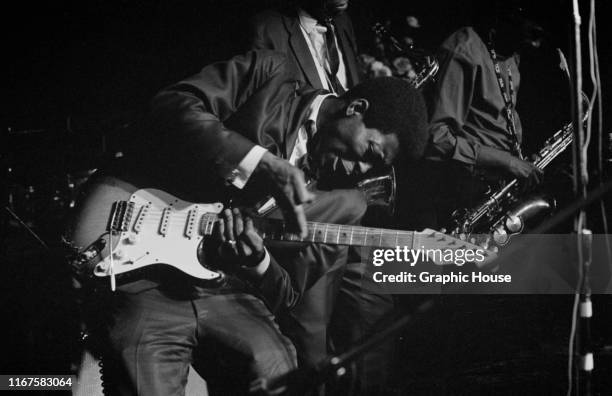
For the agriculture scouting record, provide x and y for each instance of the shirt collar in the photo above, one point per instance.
(308, 23)
(315, 106)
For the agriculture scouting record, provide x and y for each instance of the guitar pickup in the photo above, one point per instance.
(207, 223)
(165, 219)
(144, 210)
(121, 215)
(191, 222)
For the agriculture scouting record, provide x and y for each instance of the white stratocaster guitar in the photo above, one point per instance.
(120, 229)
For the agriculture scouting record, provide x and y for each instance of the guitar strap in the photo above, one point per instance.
(507, 95)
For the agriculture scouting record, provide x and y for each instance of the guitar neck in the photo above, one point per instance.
(327, 233)
(336, 234)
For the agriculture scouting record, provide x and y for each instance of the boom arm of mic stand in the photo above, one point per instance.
(299, 381)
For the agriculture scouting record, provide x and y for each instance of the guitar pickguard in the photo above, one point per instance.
(160, 230)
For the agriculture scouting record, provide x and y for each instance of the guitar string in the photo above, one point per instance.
(311, 224)
(344, 230)
(356, 232)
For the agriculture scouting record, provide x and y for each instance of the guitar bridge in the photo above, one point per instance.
(121, 215)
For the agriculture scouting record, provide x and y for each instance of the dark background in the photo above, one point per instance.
(79, 73)
(106, 59)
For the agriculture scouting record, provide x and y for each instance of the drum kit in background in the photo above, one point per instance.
(44, 170)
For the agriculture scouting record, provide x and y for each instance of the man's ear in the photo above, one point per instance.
(357, 106)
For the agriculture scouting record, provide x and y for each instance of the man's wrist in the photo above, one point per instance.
(265, 162)
(259, 266)
(243, 172)
(255, 259)
(489, 157)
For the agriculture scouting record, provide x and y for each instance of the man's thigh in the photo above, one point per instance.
(239, 341)
(230, 338)
(308, 263)
(152, 338)
(316, 270)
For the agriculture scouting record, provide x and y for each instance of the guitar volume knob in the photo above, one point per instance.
(133, 239)
(101, 267)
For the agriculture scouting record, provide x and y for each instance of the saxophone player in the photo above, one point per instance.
(475, 131)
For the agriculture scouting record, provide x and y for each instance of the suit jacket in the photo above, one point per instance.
(280, 31)
(201, 128)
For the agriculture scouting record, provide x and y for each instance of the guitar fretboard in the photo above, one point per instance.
(337, 234)
(331, 234)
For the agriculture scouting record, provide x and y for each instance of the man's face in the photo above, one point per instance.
(516, 34)
(349, 138)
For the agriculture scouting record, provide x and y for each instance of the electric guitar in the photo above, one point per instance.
(120, 228)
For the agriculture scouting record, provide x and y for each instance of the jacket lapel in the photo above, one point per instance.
(301, 52)
(347, 46)
(297, 115)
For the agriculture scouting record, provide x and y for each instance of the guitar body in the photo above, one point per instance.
(121, 228)
(154, 230)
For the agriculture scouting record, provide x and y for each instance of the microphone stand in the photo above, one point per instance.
(303, 380)
(584, 235)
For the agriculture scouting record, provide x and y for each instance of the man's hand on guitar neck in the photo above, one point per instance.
(288, 187)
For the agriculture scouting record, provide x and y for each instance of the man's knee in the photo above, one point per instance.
(274, 362)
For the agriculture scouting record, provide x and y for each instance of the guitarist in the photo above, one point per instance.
(237, 129)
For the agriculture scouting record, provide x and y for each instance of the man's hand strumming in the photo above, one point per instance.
(288, 188)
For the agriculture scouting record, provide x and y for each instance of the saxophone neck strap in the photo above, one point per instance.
(507, 95)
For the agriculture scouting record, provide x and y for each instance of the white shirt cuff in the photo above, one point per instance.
(240, 176)
(262, 267)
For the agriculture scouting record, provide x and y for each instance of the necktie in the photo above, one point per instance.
(333, 60)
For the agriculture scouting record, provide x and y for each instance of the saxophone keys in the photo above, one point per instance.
(514, 224)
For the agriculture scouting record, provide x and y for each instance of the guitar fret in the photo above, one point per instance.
(347, 235)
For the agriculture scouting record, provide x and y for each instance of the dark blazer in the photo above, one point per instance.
(199, 130)
(280, 31)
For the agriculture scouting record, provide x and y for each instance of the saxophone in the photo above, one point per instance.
(425, 64)
(504, 212)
